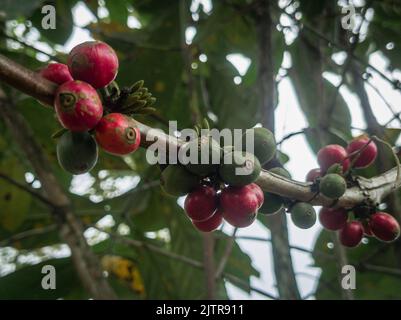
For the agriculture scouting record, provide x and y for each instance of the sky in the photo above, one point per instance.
(289, 118)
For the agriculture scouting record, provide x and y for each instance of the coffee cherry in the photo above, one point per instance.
(239, 205)
(264, 144)
(78, 106)
(332, 186)
(313, 175)
(177, 181)
(206, 152)
(56, 72)
(210, 224)
(384, 226)
(303, 215)
(272, 204)
(333, 219)
(258, 192)
(94, 62)
(366, 156)
(201, 203)
(351, 234)
(331, 154)
(117, 134)
(77, 152)
(239, 168)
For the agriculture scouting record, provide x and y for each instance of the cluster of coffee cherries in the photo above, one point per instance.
(336, 164)
(85, 112)
(216, 192)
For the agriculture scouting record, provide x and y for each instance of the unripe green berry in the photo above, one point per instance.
(332, 186)
(303, 215)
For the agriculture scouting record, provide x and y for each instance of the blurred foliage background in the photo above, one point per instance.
(193, 75)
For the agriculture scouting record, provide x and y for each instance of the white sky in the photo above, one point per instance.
(289, 118)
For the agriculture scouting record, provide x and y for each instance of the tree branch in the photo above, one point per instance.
(27, 81)
(376, 188)
(208, 239)
(27, 234)
(283, 268)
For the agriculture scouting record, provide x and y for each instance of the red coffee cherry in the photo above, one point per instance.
(117, 134)
(56, 72)
(333, 219)
(332, 154)
(259, 193)
(210, 224)
(351, 234)
(78, 106)
(239, 205)
(313, 174)
(384, 226)
(201, 204)
(368, 153)
(94, 62)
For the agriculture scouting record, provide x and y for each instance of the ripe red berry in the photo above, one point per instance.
(351, 234)
(201, 204)
(384, 226)
(259, 193)
(239, 205)
(332, 154)
(56, 72)
(78, 106)
(94, 62)
(313, 175)
(368, 153)
(210, 224)
(333, 219)
(117, 134)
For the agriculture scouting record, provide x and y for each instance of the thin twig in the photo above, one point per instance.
(26, 189)
(192, 262)
(396, 115)
(52, 57)
(292, 134)
(27, 234)
(313, 30)
(226, 254)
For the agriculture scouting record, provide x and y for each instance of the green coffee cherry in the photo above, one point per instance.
(303, 215)
(332, 186)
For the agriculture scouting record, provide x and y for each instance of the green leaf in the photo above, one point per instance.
(307, 80)
(64, 21)
(369, 284)
(118, 10)
(14, 9)
(14, 202)
(25, 283)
